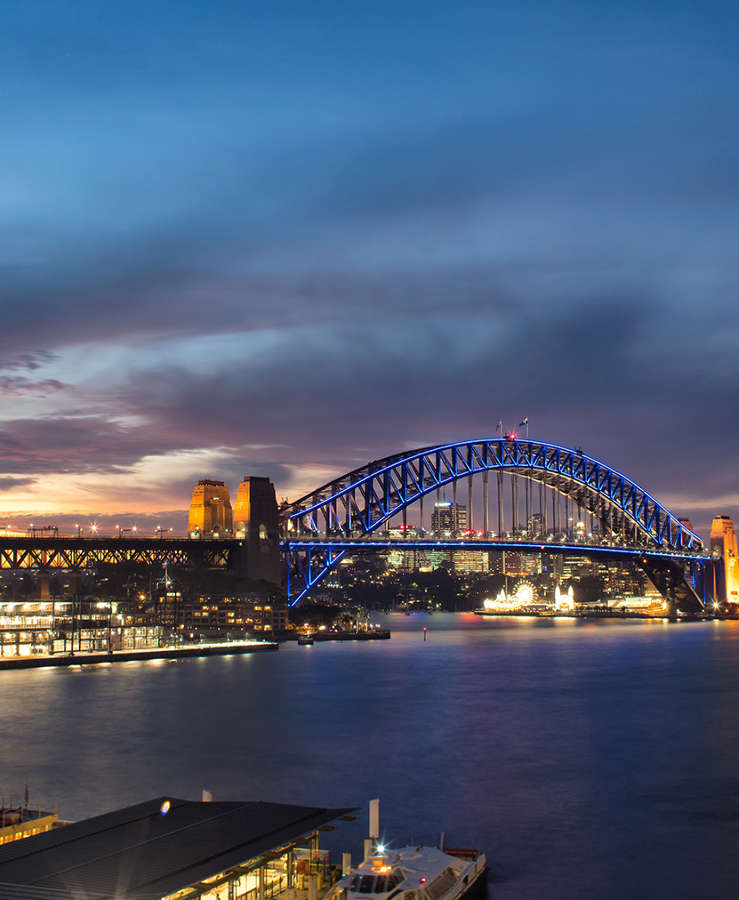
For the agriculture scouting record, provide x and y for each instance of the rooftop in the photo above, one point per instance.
(144, 853)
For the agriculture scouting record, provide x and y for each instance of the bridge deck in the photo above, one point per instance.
(374, 543)
(78, 553)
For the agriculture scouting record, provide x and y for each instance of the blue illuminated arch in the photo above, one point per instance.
(363, 500)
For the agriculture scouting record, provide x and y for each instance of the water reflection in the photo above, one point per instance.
(577, 754)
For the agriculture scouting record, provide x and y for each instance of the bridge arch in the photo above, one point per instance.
(348, 512)
(364, 500)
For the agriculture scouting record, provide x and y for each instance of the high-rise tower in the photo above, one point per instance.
(448, 517)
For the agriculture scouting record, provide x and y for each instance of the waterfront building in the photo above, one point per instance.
(72, 624)
(210, 510)
(214, 616)
(19, 822)
(171, 849)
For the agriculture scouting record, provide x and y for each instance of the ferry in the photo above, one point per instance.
(415, 873)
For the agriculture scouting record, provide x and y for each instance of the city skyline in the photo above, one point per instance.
(285, 242)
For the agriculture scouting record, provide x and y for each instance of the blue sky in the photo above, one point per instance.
(287, 238)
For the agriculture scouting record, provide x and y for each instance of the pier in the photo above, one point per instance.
(186, 651)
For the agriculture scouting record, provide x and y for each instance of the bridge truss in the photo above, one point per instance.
(320, 528)
(77, 554)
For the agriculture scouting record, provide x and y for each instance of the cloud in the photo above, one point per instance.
(17, 385)
(408, 238)
(74, 444)
(11, 484)
(30, 360)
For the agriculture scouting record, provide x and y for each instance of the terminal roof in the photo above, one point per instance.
(139, 853)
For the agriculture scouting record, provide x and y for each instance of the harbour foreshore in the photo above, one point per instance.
(182, 652)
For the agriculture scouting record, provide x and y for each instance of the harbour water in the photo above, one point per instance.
(588, 759)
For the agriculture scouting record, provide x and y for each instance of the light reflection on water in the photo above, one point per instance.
(588, 759)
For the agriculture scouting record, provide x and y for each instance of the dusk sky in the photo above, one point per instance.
(288, 238)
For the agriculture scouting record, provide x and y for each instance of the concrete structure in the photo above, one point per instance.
(724, 546)
(257, 524)
(210, 511)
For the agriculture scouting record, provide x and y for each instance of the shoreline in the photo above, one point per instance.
(188, 651)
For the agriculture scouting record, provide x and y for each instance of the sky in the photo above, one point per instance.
(285, 239)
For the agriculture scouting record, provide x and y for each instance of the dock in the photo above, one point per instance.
(186, 651)
(377, 634)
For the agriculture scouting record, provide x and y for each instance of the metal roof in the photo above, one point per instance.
(139, 853)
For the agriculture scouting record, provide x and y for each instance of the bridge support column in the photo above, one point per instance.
(669, 579)
(501, 521)
(470, 519)
(485, 510)
(256, 517)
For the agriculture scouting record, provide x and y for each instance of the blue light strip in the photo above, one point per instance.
(583, 549)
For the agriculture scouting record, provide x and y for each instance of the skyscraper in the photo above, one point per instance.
(448, 517)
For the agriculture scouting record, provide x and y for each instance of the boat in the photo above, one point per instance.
(305, 640)
(415, 873)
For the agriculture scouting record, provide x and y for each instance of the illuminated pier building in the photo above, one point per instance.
(172, 849)
(72, 624)
(210, 510)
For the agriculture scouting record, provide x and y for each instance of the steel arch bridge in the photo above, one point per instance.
(351, 511)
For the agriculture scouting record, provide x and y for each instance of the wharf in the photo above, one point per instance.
(184, 652)
(597, 613)
(378, 634)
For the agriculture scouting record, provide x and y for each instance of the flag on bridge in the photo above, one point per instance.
(524, 421)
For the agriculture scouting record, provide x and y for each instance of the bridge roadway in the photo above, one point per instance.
(678, 574)
(370, 542)
(78, 553)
